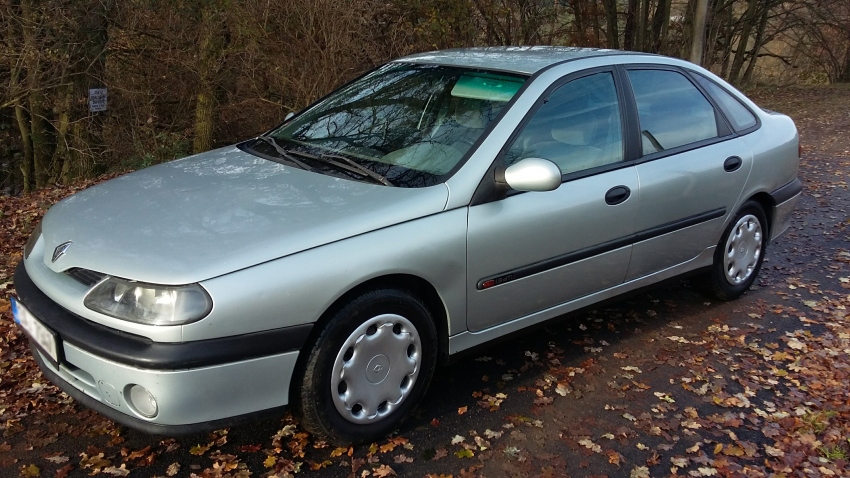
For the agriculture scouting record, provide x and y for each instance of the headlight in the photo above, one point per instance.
(149, 303)
(36, 233)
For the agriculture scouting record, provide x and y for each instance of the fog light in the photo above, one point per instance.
(143, 401)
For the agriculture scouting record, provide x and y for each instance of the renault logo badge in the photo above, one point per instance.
(60, 250)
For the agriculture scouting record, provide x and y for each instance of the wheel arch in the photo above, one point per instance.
(416, 285)
(766, 202)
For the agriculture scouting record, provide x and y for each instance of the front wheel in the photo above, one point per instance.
(739, 255)
(368, 368)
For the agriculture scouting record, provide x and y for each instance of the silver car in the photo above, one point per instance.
(438, 202)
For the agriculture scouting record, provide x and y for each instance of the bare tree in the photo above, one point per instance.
(698, 40)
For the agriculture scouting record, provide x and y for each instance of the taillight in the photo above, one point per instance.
(799, 147)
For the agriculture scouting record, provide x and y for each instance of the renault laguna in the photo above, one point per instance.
(433, 204)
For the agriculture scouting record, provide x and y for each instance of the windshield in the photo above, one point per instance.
(411, 124)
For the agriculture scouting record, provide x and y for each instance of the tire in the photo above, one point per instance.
(739, 254)
(368, 369)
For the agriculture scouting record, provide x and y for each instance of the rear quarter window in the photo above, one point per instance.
(738, 115)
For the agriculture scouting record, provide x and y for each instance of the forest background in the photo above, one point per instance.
(185, 76)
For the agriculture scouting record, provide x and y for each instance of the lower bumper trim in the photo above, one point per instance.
(142, 425)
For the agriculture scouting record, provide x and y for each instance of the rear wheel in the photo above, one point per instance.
(369, 367)
(739, 255)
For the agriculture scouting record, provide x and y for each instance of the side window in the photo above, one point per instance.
(738, 114)
(671, 109)
(577, 127)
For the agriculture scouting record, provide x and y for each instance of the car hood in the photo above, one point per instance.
(215, 213)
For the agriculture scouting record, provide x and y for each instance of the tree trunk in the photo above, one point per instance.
(62, 154)
(26, 165)
(743, 41)
(14, 95)
(597, 28)
(698, 38)
(844, 75)
(210, 51)
(579, 16)
(612, 32)
(643, 26)
(748, 74)
(631, 25)
(728, 34)
(37, 130)
(660, 22)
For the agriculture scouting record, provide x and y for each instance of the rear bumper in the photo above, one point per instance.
(198, 386)
(785, 199)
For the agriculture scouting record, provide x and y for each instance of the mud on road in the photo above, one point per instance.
(662, 383)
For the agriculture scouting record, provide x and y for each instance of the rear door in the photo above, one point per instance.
(692, 170)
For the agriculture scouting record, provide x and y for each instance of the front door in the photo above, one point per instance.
(534, 250)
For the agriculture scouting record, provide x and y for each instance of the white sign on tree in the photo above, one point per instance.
(97, 99)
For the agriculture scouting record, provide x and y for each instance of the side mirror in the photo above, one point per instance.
(533, 174)
(288, 115)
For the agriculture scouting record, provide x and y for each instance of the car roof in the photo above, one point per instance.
(518, 59)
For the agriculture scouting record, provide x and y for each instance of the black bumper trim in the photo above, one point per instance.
(141, 352)
(145, 426)
(788, 191)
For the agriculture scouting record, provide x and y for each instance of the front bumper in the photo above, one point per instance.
(198, 386)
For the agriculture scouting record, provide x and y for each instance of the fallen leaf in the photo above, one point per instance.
(639, 472)
(64, 471)
(200, 449)
(383, 471)
(121, 471)
(588, 443)
(773, 451)
(464, 453)
(30, 471)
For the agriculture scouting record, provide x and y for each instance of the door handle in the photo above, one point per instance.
(732, 163)
(617, 194)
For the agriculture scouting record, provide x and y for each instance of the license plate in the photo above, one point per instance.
(36, 331)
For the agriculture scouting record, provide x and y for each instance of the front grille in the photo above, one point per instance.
(85, 276)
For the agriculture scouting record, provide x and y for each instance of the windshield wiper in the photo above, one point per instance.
(284, 153)
(346, 164)
(368, 172)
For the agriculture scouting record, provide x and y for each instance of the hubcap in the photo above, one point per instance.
(743, 249)
(376, 368)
